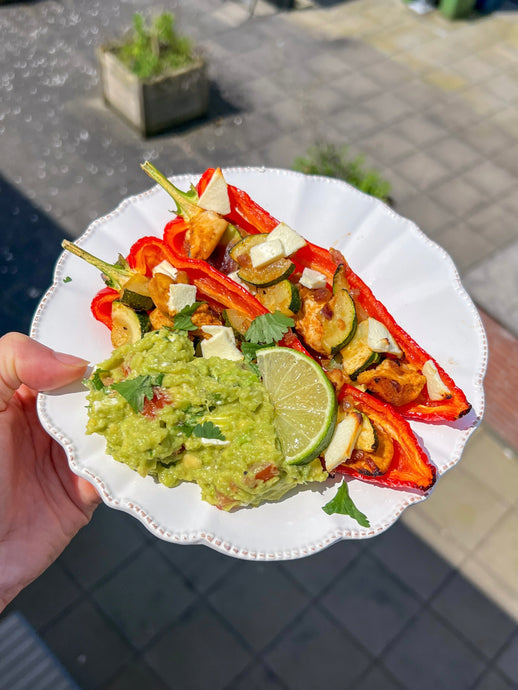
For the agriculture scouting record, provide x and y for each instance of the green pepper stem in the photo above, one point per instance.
(117, 275)
(184, 204)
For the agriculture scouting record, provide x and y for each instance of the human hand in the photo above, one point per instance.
(43, 504)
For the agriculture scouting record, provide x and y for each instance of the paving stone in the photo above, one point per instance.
(88, 646)
(422, 170)
(419, 130)
(200, 566)
(386, 108)
(494, 222)
(430, 656)
(410, 561)
(257, 677)
(198, 652)
(258, 587)
(458, 196)
(140, 604)
(378, 678)
(465, 246)
(297, 658)
(508, 660)
(454, 154)
(478, 620)
(356, 87)
(491, 179)
(428, 214)
(100, 547)
(493, 680)
(370, 603)
(136, 676)
(488, 138)
(508, 159)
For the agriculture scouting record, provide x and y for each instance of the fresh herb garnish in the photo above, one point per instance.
(96, 379)
(208, 430)
(136, 390)
(183, 320)
(67, 279)
(343, 504)
(249, 351)
(269, 328)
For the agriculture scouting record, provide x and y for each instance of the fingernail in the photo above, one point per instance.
(70, 360)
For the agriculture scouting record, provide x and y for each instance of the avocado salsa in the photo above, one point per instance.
(177, 417)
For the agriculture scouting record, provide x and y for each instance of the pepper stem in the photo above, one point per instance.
(184, 200)
(115, 275)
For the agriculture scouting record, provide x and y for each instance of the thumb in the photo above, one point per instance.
(25, 361)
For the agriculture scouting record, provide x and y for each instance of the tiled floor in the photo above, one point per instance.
(431, 603)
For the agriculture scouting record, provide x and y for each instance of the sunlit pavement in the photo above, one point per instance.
(432, 104)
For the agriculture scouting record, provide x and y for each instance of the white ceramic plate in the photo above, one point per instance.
(415, 279)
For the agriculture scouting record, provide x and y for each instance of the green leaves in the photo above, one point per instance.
(136, 390)
(269, 328)
(183, 320)
(203, 430)
(343, 504)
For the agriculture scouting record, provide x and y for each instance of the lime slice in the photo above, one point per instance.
(304, 401)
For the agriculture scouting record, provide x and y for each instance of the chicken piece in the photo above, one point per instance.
(204, 232)
(309, 322)
(158, 320)
(205, 316)
(338, 378)
(398, 383)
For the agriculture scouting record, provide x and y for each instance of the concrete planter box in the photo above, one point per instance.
(154, 105)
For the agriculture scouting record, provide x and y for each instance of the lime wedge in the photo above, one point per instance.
(304, 401)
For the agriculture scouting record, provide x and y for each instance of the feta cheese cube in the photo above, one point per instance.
(215, 197)
(167, 269)
(312, 279)
(379, 339)
(266, 253)
(181, 295)
(291, 240)
(437, 390)
(219, 345)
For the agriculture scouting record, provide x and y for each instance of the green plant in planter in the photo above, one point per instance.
(155, 47)
(331, 161)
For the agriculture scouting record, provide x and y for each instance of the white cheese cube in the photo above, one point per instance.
(266, 253)
(214, 329)
(343, 441)
(214, 442)
(219, 345)
(215, 197)
(437, 390)
(180, 296)
(379, 339)
(291, 240)
(312, 279)
(167, 269)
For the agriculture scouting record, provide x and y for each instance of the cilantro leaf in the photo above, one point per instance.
(268, 328)
(343, 504)
(249, 350)
(67, 279)
(96, 380)
(183, 321)
(136, 390)
(208, 430)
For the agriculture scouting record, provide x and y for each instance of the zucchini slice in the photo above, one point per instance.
(339, 321)
(135, 294)
(283, 297)
(377, 463)
(240, 252)
(357, 355)
(128, 326)
(368, 438)
(266, 276)
(237, 321)
(340, 280)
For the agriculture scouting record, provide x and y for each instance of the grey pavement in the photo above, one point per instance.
(433, 105)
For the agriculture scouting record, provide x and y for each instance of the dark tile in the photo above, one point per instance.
(87, 645)
(257, 677)
(378, 678)
(429, 656)
(472, 614)
(410, 559)
(198, 652)
(370, 603)
(494, 681)
(46, 598)
(258, 599)
(201, 566)
(101, 546)
(508, 660)
(316, 572)
(144, 597)
(136, 676)
(315, 653)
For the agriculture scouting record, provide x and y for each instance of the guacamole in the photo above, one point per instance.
(177, 417)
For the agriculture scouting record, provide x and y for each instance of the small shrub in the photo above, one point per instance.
(155, 47)
(330, 161)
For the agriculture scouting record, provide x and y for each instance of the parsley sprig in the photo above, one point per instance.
(343, 504)
(136, 390)
(183, 320)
